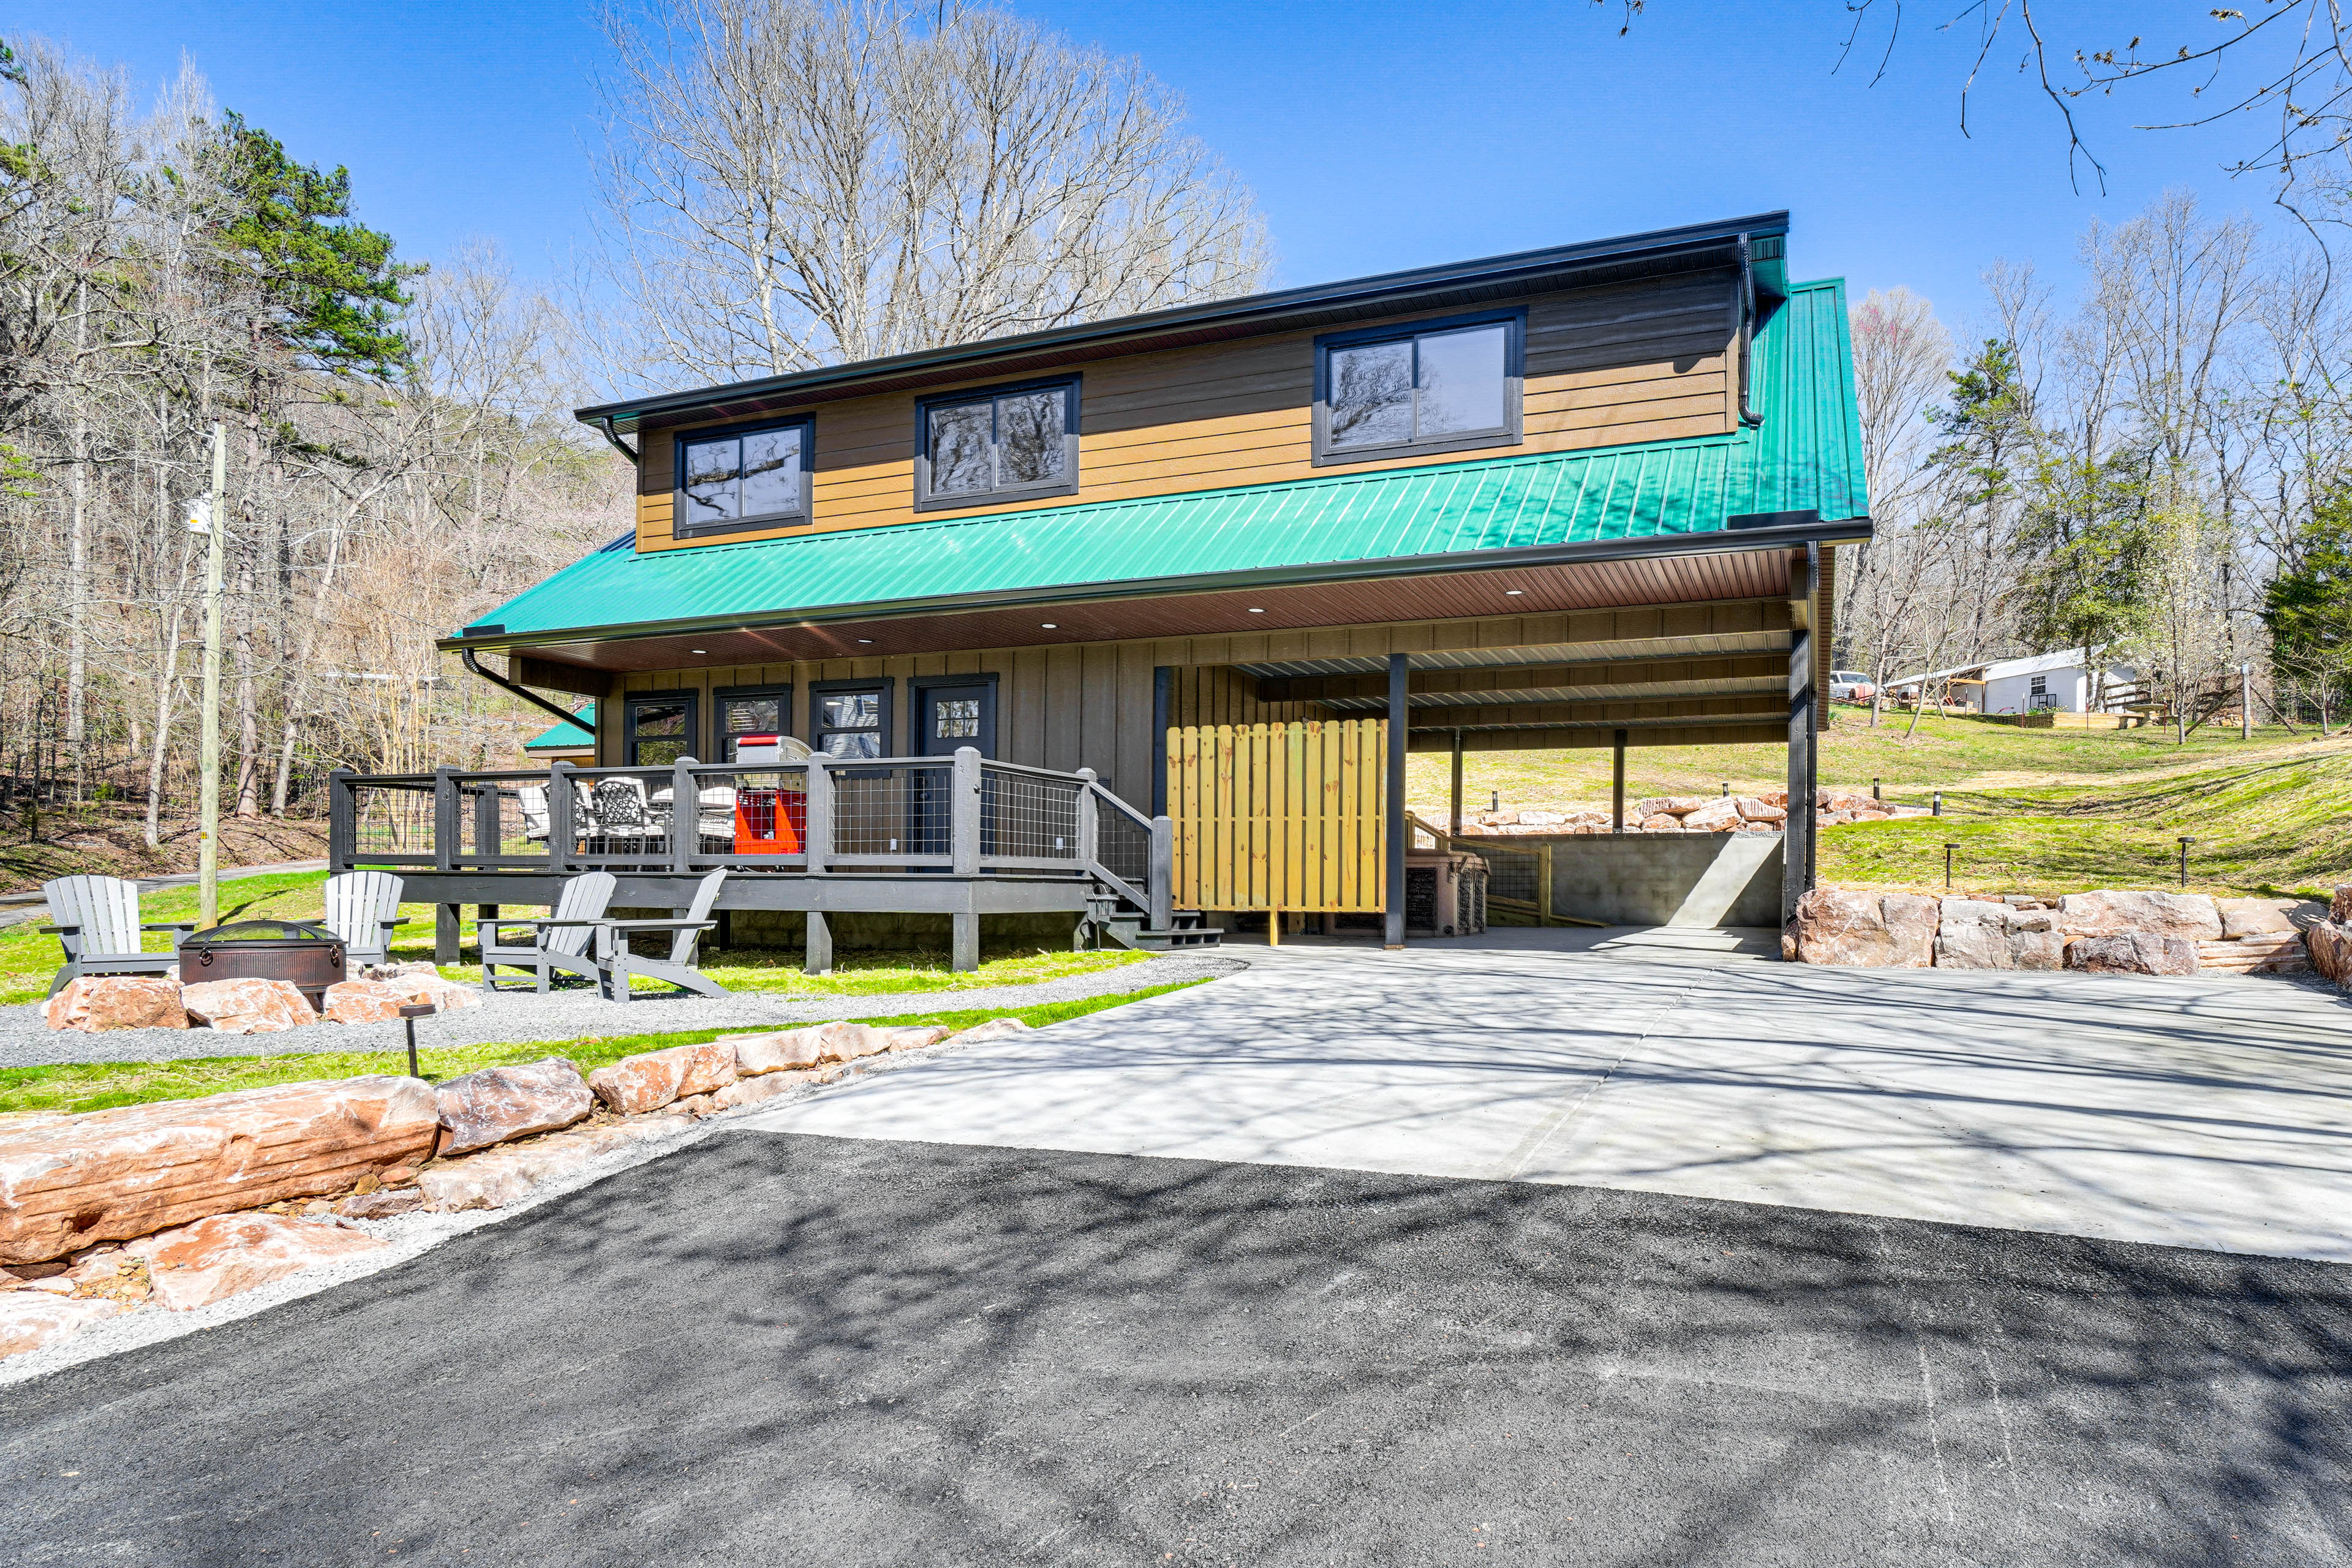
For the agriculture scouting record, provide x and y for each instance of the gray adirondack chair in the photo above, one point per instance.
(561, 941)
(99, 926)
(364, 908)
(679, 969)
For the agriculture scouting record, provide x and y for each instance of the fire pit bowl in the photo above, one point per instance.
(309, 955)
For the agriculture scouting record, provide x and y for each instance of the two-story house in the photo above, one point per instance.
(1580, 497)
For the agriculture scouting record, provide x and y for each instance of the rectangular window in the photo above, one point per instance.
(659, 730)
(762, 712)
(1435, 386)
(744, 478)
(851, 719)
(973, 447)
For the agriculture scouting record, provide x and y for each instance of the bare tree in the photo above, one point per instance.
(794, 183)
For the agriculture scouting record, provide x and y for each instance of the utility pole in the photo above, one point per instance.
(2246, 702)
(208, 748)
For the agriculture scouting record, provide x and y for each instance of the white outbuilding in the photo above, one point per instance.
(2059, 681)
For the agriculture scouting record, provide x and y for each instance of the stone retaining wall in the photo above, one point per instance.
(2111, 931)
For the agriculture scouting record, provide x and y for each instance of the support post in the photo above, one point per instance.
(209, 744)
(563, 795)
(1797, 834)
(964, 818)
(446, 821)
(965, 941)
(1453, 824)
(818, 958)
(445, 918)
(1089, 825)
(682, 812)
(342, 821)
(1617, 785)
(2246, 701)
(1163, 873)
(1543, 884)
(816, 836)
(1392, 807)
(1163, 700)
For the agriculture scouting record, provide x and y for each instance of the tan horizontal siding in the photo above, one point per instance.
(1604, 367)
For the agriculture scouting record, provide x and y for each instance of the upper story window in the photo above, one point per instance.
(1433, 386)
(1007, 444)
(746, 477)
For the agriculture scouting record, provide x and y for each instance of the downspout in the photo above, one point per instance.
(606, 424)
(1748, 414)
(465, 656)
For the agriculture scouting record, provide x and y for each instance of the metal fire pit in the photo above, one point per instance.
(311, 956)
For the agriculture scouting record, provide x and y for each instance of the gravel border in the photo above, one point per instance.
(414, 1235)
(526, 1017)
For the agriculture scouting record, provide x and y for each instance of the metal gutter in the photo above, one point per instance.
(1266, 308)
(605, 425)
(465, 655)
(1714, 542)
(1748, 414)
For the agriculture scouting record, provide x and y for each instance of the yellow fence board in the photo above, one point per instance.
(1279, 816)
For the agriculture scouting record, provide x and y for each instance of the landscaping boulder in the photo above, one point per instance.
(1662, 822)
(2339, 908)
(445, 994)
(248, 1006)
(1973, 934)
(2243, 918)
(113, 1175)
(498, 1104)
(2329, 946)
(752, 1090)
(650, 1080)
(778, 1050)
(215, 1258)
(500, 1176)
(995, 1029)
(848, 1042)
(398, 971)
(96, 1003)
(32, 1318)
(2132, 952)
(381, 1204)
(364, 1001)
(1891, 930)
(1754, 808)
(2191, 915)
(1720, 815)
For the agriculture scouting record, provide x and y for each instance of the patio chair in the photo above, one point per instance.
(679, 969)
(364, 908)
(99, 926)
(559, 940)
(532, 800)
(617, 810)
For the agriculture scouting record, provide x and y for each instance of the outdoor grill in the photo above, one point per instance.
(309, 955)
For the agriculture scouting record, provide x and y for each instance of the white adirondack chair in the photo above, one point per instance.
(564, 940)
(679, 969)
(99, 926)
(364, 908)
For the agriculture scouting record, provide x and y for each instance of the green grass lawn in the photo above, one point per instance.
(2048, 811)
(97, 1086)
(29, 960)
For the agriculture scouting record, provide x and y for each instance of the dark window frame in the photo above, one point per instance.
(988, 726)
(632, 700)
(679, 440)
(1072, 390)
(819, 689)
(723, 695)
(1510, 433)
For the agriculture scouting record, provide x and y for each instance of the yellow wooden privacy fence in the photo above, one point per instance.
(1279, 817)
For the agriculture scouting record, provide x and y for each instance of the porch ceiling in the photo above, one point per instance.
(1616, 650)
(1630, 691)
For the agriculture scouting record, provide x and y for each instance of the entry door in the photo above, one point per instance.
(948, 718)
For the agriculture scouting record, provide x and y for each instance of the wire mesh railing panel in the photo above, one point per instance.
(502, 821)
(1028, 817)
(900, 811)
(1123, 845)
(393, 819)
(746, 812)
(621, 819)
(1511, 874)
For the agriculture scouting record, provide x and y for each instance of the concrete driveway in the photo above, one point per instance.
(2213, 1112)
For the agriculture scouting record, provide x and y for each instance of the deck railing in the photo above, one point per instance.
(963, 815)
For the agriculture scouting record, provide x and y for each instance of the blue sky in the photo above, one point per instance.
(1376, 136)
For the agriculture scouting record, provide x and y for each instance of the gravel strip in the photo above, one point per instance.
(526, 1016)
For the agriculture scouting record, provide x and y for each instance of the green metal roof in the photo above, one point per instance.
(1805, 455)
(565, 737)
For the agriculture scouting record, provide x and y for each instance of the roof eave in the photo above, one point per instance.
(1714, 541)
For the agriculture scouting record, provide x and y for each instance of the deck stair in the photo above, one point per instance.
(1114, 917)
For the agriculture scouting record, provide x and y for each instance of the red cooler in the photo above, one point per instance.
(761, 827)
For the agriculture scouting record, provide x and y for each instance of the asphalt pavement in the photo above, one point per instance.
(784, 1348)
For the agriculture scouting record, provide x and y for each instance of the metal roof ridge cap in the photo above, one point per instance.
(1270, 301)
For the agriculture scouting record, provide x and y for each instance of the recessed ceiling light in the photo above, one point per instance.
(1049, 625)
(698, 650)
(865, 639)
(1513, 593)
(1255, 611)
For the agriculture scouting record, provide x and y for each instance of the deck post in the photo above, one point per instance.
(444, 931)
(1400, 716)
(1163, 873)
(963, 956)
(818, 959)
(683, 813)
(342, 820)
(445, 827)
(1163, 700)
(1088, 846)
(1454, 824)
(560, 792)
(1797, 832)
(963, 811)
(816, 847)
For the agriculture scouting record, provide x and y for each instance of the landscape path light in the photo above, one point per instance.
(1947, 865)
(409, 1013)
(2185, 842)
